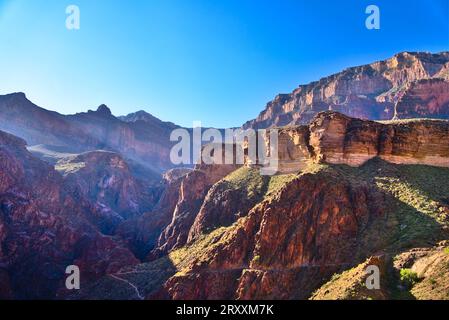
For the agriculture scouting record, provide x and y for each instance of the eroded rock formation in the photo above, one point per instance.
(368, 92)
(338, 139)
(286, 245)
(106, 179)
(46, 226)
(143, 139)
(192, 191)
(428, 98)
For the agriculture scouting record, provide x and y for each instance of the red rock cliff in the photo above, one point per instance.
(335, 138)
(368, 92)
(46, 226)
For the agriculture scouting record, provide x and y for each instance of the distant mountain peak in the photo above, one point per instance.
(104, 110)
(140, 115)
(146, 117)
(20, 96)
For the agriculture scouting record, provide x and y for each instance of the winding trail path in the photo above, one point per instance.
(129, 283)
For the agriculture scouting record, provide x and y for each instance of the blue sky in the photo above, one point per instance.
(218, 62)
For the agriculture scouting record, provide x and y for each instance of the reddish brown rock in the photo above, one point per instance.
(425, 99)
(202, 286)
(280, 284)
(221, 207)
(338, 139)
(192, 192)
(287, 244)
(142, 233)
(44, 227)
(367, 92)
(106, 179)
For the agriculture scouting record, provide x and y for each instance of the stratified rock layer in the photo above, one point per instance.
(285, 245)
(337, 139)
(425, 99)
(396, 87)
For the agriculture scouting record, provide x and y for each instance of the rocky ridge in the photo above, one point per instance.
(145, 142)
(400, 87)
(45, 226)
(363, 189)
(334, 138)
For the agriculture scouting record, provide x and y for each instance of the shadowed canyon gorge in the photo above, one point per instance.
(362, 181)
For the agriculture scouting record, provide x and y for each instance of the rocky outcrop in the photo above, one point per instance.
(45, 227)
(332, 138)
(192, 191)
(351, 285)
(335, 138)
(222, 231)
(314, 237)
(229, 200)
(285, 246)
(142, 233)
(147, 143)
(431, 267)
(294, 150)
(106, 180)
(367, 92)
(427, 98)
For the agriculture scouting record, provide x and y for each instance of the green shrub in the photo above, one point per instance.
(409, 278)
(446, 250)
(256, 259)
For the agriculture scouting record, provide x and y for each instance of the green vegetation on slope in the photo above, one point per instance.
(417, 200)
(183, 258)
(250, 180)
(415, 215)
(348, 285)
(408, 278)
(434, 280)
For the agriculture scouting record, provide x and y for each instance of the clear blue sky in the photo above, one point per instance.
(214, 61)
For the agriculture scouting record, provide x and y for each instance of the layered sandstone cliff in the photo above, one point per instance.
(335, 138)
(428, 98)
(369, 92)
(357, 189)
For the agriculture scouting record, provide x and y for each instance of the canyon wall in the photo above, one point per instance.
(335, 138)
(47, 224)
(409, 84)
(140, 137)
